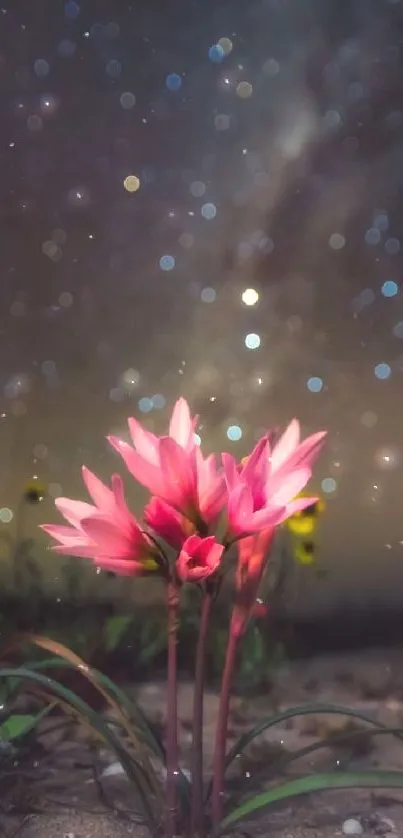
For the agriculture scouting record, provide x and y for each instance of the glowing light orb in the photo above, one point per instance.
(173, 82)
(389, 288)
(216, 53)
(328, 485)
(167, 263)
(252, 341)
(382, 371)
(250, 297)
(234, 433)
(131, 183)
(314, 384)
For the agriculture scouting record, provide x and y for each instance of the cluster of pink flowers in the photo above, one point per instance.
(190, 494)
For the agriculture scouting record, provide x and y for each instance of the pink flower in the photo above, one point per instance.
(252, 556)
(167, 523)
(262, 492)
(173, 468)
(104, 531)
(199, 558)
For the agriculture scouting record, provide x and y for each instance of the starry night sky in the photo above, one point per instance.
(157, 161)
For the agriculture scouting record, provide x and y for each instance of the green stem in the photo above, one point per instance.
(172, 710)
(198, 706)
(222, 728)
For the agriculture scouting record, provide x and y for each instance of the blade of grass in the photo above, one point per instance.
(285, 760)
(293, 712)
(312, 783)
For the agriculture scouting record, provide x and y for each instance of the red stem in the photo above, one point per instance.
(198, 707)
(222, 728)
(172, 711)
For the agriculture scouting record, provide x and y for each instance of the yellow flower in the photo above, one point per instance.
(304, 523)
(302, 527)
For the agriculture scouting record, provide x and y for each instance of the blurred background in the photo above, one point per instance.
(204, 200)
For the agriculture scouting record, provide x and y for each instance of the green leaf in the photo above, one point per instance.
(311, 783)
(293, 712)
(115, 628)
(20, 724)
(133, 769)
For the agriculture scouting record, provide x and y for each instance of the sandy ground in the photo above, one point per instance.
(371, 682)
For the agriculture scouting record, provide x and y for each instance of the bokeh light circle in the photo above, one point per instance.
(252, 341)
(167, 262)
(250, 297)
(234, 433)
(389, 288)
(173, 82)
(328, 485)
(382, 371)
(314, 384)
(131, 183)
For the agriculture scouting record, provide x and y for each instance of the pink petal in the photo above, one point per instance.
(215, 555)
(286, 445)
(166, 522)
(81, 552)
(267, 518)
(191, 544)
(196, 574)
(74, 510)
(122, 567)
(60, 532)
(111, 539)
(179, 474)
(206, 470)
(252, 553)
(182, 426)
(230, 471)
(299, 504)
(67, 536)
(283, 488)
(199, 558)
(256, 471)
(121, 508)
(257, 463)
(240, 509)
(184, 569)
(203, 548)
(100, 494)
(211, 488)
(212, 502)
(309, 450)
(146, 473)
(145, 443)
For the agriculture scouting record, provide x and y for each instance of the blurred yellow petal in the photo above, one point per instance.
(301, 526)
(149, 564)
